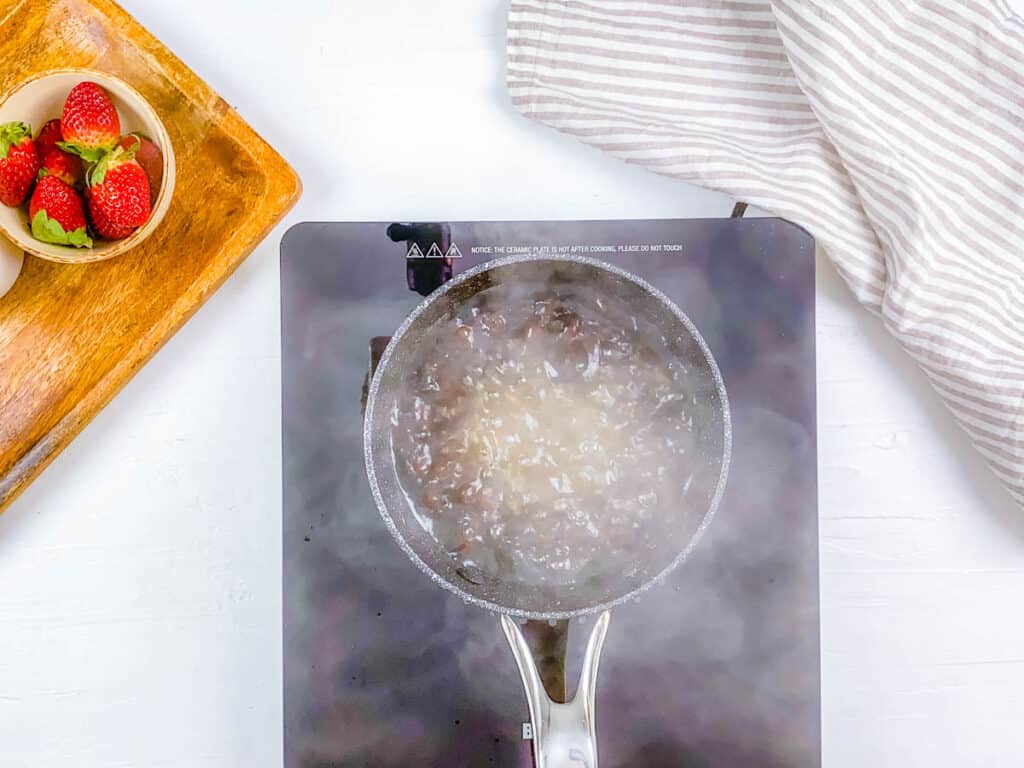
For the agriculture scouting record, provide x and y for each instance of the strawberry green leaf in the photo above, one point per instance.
(99, 171)
(11, 135)
(115, 157)
(89, 154)
(80, 238)
(49, 230)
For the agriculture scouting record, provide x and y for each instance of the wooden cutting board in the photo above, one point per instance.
(72, 336)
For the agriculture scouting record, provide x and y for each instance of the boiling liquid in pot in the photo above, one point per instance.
(545, 441)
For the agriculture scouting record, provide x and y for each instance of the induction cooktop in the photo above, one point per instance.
(717, 666)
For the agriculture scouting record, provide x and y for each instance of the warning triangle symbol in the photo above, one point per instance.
(415, 252)
(454, 252)
(434, 252)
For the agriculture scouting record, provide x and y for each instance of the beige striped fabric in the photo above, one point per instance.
(892, 130)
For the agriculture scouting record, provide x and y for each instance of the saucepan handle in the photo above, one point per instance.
(564, 735)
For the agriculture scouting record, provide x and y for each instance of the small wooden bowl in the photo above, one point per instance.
(41, 99)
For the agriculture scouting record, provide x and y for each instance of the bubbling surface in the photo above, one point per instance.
(544, 440)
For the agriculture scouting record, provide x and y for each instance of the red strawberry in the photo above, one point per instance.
(150, 158)
(49, 136)
(55, 161)
(118, 195)
(57, 214)
(64, 166)
(19, 163)
(89, 123)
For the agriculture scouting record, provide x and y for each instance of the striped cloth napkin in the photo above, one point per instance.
(892, 130)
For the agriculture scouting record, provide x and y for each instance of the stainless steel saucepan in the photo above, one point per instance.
(563, 733)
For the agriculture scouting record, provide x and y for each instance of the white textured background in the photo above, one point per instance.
(140, 577)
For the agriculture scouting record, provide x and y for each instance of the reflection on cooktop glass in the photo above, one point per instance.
(716, 665)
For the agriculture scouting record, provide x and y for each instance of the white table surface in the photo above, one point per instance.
(140, 576)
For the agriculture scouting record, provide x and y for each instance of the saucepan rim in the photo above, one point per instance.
(396, 340)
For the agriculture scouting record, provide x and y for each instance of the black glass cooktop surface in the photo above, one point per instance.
(718, 666)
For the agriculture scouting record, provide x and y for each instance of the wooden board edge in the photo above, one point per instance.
(284, 188)
(41, 455)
